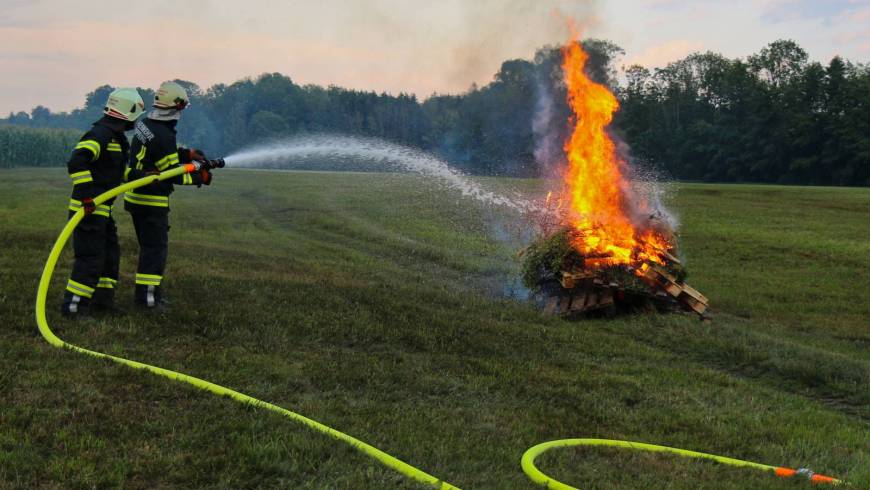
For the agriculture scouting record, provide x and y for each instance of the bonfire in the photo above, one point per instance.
(604, 245)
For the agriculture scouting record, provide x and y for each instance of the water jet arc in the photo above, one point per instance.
(277, 154)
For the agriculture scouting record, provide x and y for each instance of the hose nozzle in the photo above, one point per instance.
(216, 163)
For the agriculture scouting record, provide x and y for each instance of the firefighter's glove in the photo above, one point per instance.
(205, 176)
(196, 155)
(88, 205)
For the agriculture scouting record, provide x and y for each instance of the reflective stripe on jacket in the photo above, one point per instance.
(154, 148)
(98, 160)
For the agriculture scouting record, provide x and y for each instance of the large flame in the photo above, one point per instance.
(599, 193)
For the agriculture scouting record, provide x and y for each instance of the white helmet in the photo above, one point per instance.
(125, 104)
(171, 95)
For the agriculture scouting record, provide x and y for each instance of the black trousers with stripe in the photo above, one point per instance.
(97, 255)
(152, 233)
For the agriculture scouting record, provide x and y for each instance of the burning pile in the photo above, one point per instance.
(604, 246)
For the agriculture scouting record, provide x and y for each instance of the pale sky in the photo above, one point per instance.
(53, 52)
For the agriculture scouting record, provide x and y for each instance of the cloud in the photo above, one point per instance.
(57, 51)
(661, 54)
(382, 45)
(858, 16)
(826, 10)
(10, 14)
(62, 63)
(660, 5)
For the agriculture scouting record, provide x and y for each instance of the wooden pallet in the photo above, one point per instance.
(656, 276)
(583, 290)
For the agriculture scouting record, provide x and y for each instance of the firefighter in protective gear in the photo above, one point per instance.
(154, 150)
(97, 164)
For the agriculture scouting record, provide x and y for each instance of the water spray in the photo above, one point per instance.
(279, 154)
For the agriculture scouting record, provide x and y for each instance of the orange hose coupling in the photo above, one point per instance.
(806, 473)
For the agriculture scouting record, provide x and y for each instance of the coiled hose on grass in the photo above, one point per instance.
(528, 460)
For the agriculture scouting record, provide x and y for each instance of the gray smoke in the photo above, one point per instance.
(548, 150)
(490, 30)
(647, 189)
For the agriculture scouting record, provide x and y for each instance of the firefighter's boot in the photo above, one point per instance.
(75, 305)
(149, 296)
(104, 300)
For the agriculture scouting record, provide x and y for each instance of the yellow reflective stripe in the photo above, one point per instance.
(147, 282)
(148, 279)
(103, 210)
(127, 174)
(133, 200)
(107, 282)
(81, 177)
(113, 147)
(147, 199)
(139, 157)
(79, 288)
(186, 179)
(91, 145)
(166, 161)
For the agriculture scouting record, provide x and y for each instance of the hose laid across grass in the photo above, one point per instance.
(387, 460)
(42, 292)
(534, 474)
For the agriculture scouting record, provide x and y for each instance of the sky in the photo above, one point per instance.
(53, 52)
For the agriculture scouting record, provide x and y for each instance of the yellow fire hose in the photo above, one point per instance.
(528, 460)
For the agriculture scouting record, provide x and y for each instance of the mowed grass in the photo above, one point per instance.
(372, 303)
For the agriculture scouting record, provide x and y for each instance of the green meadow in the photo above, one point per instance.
(375, 304)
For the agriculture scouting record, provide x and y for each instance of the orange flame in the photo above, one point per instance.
(598, 190)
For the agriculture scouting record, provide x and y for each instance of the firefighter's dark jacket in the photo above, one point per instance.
(154, 149)
(98, 163)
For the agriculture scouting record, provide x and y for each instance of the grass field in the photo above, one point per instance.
(375, 306)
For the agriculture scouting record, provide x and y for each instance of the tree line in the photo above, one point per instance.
(774, 116)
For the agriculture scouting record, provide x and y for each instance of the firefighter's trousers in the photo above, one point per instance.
(152, 232)
(95, 270)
